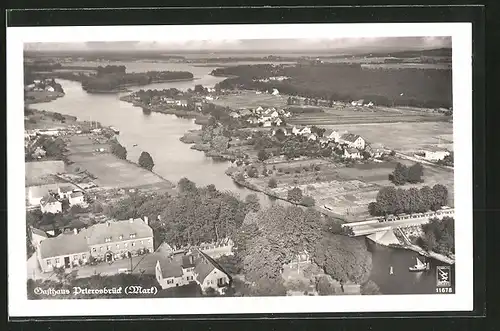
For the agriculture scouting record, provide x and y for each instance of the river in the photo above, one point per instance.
(159, 135)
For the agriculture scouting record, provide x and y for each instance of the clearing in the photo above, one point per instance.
(249, 99)
(110, 171)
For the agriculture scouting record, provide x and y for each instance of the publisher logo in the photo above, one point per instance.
(443, 276)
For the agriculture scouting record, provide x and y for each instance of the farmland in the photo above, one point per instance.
(110, 172)
(347, 191)
(406, 138)
(42, 172)
(249, 99)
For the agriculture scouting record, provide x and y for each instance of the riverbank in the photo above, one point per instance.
(33, 97)
(406, 245)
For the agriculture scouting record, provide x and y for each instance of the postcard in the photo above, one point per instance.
(229, 169)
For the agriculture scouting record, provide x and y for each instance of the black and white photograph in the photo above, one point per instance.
(311, 169)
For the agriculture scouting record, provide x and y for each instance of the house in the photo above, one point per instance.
(64, 191)
(49, 88)
(76, 198)
(358, 102)
(287, 114)
(275, 114)
(209, 98)
(435, 155)
(253, 120)
(245, 112)
(278, 121)
(103, 241)
(37, 81)
(264, 119)
(37, 236)
(296, 130)
(49, 204)
(258, 110)
(353, 140)
(35, 195)
(331, 135)
(352, 153)
(306, 131)
(181, 103)
(267, 124)
(234, 115)
(375, 150)
(223, 247)
(169, 101)
(275, 92)
(312, 137)
(178, 270)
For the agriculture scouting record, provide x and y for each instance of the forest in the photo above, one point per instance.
(431, 88)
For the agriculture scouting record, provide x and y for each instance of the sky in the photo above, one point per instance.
(256, 45)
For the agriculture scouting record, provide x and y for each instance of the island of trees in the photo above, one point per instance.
(115, 78)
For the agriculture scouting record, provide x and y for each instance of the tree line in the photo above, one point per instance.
(403, 174)
(402, 87)
(392, 201)
(439, 236)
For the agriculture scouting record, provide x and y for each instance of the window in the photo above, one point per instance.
(108, 239)
(83, 256)
(75, 257)
(149, 241)
(133, 244)
(94, 249)
(108, 248)
(117, 246)
(57, 260)
(49, 263)
(132, 235)
(170, 281)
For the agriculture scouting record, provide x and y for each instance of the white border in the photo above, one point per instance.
(19, 306)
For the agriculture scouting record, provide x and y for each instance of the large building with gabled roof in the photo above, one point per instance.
(107, 241)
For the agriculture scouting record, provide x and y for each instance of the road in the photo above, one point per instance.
(419, 160)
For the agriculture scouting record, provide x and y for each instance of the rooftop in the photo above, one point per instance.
(39, 232)
(64, 244)
(351, 137)
(76, 194)
(48, 199)
(66, 189)
(170, 267)
(98, 233)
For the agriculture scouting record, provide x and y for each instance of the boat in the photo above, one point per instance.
(391, 270)
(134, 145)
(420, 266)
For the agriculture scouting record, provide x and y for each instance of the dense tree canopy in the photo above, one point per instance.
(345, 259)
(146, 161)
(397, 201)
(118, 150)
(402, 174)
(439, 236)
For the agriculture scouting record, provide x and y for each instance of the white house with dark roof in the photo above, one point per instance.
(179, 270)
(352, 153)
(331, 135)
(76, 198)
(104, 241)
(35, 194)
(49, 204)
(64, 191)
(353, 140)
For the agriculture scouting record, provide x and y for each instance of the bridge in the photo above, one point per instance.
(380, 226)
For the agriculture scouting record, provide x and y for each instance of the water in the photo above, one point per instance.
(159, 135)
(401, 281)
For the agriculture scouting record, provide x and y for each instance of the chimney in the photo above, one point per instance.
(131, 220)
(75, 231)
(146, 220)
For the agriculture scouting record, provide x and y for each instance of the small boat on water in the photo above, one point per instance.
(134, 145)
(420, 266)
(391, 271)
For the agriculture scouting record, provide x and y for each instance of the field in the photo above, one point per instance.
(110, 171)
(249, 99)
(406, 138)
(346, 191)
(358, 115)
(42, 172)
